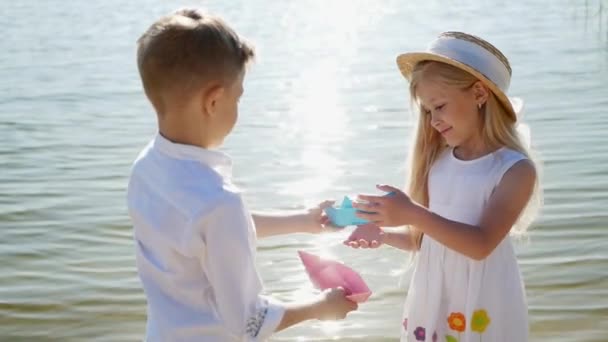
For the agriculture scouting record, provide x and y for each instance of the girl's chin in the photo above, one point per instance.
(450, 142)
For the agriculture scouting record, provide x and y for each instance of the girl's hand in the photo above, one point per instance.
(366, 236)
(315, 220)
(388, 211)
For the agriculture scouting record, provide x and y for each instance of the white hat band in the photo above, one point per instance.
(474, 56)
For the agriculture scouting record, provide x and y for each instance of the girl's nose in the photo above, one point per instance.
(435, 121)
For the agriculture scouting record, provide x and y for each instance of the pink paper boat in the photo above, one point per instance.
(327, 274)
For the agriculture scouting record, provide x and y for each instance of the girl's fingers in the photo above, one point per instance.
(361, 243)
(371, 198)
(387, 188)
(372, 217)
(367, 206)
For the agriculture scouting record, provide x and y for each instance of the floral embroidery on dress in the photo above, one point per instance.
(420, 334)
(457, 322)
(480, 321)
(450, 338)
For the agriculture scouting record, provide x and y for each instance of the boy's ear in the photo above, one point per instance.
(211, 97)
(480, 93)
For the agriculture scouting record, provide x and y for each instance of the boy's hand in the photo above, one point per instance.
(315, 221)
(334, 305)
(366, 236)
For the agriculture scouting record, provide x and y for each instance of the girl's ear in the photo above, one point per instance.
(480, 93)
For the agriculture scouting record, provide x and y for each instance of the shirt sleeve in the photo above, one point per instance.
(229, 263)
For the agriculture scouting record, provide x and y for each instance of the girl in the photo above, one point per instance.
(471, 179)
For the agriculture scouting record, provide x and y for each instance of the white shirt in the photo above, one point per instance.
(195, 248)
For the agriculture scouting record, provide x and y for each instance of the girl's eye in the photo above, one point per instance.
(440, 107)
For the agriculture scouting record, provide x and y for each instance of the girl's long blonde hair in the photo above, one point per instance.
(497, 130)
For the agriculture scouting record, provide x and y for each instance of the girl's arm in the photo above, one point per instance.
(502, 211)
(400, 238)
(372, 236)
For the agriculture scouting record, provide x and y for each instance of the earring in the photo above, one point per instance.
(479, 106)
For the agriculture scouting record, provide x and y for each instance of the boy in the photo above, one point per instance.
(195, 239)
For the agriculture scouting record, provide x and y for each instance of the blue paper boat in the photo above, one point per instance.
(344, 215)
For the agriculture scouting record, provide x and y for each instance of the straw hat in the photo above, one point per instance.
(474, 55)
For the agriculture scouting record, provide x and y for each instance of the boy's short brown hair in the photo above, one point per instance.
(183, 51)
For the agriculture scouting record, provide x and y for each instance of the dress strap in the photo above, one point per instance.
(508, 158)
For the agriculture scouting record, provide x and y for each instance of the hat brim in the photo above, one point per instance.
(407, 62)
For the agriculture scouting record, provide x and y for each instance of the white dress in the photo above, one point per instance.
(453, 297)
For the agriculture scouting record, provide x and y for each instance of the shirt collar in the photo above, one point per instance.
(218, 161)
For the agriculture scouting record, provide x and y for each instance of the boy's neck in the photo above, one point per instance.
(183, 131)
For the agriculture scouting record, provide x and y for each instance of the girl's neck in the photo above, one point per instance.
(471, 150)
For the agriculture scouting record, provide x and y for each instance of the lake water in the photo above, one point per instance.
(325, 113)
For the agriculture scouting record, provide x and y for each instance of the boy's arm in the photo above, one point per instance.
(229, 263)
(313, 221)
(271, 225)
(228, 260)
(330, 306)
